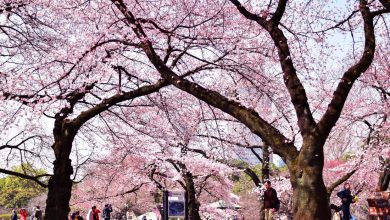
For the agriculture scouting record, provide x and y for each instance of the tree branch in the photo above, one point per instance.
(25, 176)
(294, 86)
(336, 105)
(257, 155)
(109, 102)
(16, 146)
(246, 13)
(291, 80)
(279, 12)
(340, 181)
(249, 117)
(255, 179)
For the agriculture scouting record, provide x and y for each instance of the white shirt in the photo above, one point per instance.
(90, 215)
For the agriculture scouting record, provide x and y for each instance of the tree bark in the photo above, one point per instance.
(193, 204)
(310, 195)
(265, 168)
(310, 201)
(60, 184)
(384, 178)
(60, 188)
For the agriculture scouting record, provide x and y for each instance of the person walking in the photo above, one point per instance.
(76, 216)
(270, 201)
(32, 215)
(38, 213)
(14, 215)
(96, 214)
(107, 212)
(91, 212)
(23, 214)
(346, 200)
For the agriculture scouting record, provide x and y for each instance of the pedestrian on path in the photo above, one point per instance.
(271, 201)
(91, 212)
(38, 213)
(107, 212)
(23, 214)
(346, 200)
(14, 215)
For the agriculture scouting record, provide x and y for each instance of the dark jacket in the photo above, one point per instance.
(38, 214)
(346, 200)
(73, 216)
(270, 199)
(14, 216)
(345, 196)
(107, 212)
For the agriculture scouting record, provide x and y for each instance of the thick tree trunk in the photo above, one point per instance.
(384, 177)
(60, 184)
(311, 203)
(310, 197)
(193, 204)
(60, 188)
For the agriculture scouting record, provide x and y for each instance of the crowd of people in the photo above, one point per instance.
(36, 214)
(270, 197)
(94, 213)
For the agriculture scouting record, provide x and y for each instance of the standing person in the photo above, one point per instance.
(271, 201)
(96, 214)
(32, 216)
(38, 213)
(346, 200)
(14, 215)
(128, 215)
(76, 216)
(91, 212)
(107, 212)
(23, 214)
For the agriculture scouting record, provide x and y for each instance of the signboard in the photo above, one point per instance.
(175, 205)
(379, 204)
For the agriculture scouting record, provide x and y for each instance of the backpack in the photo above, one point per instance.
(38, 214)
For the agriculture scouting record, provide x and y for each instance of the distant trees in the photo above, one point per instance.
(17, 191)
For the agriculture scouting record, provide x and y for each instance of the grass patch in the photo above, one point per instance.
(7, 216)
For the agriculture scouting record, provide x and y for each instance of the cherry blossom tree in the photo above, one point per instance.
(306, 162)
(70, 94)
(168, 170)
(83, 63)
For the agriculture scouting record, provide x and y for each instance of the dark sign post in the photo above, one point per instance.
(379, 204)
(175, 205)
